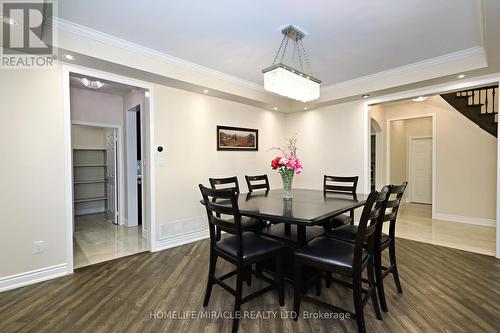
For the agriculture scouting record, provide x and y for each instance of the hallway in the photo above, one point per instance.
(415, 223)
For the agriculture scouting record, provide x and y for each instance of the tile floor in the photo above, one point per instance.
(96, 240)
(415, 223)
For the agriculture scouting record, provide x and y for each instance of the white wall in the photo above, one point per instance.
(185, 125)
(96, 107)
(465, 158)
(88, 137)
(32, 195)
(330, 141)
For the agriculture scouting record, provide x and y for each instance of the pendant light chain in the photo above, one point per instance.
(279, 50)
(298, 49)
(308, 63)
(299, 53)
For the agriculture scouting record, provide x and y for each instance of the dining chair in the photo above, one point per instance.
(248, 223)
(347, 259)
(260, 182)
(241, 248)
(343, 185)
(383, 241)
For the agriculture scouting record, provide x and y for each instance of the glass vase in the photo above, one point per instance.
(287, 185)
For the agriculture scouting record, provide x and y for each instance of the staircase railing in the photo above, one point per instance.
(485, 97)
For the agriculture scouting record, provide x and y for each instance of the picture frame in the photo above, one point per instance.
(237, 139)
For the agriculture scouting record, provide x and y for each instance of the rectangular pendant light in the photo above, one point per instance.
(286, 81)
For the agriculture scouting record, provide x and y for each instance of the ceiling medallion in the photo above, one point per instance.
(291, 80)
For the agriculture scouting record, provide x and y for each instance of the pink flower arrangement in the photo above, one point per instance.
(288, 164)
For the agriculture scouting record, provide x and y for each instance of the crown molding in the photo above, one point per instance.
(468, 59)
(423, 65)
(102, 37)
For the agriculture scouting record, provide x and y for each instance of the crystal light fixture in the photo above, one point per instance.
(420, 99)
(92, 84)
(287, 80)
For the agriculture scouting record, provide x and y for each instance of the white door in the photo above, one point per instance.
(111, 176)
(421, 170)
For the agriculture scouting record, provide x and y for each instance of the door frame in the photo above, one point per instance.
(388, 150)
(132, 173)
(452, 86)
(410, 141)
(148, 164)
(119, 166)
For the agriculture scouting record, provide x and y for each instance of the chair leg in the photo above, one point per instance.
(358, 302)
(328, 279)
(379, 280)
(392, 256)
(297, 289)
(211, 273)
(258, 271)
(237, 303)
(279, 279)
(249, 276)
(371, 280)
(318, 282)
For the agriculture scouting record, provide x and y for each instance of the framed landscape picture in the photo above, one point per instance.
(237, 138)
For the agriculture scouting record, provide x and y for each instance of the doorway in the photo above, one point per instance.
(103, 227)
(134, 166)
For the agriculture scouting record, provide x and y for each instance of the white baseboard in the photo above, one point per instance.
(179, 240)
(35, 276)
(465, 219)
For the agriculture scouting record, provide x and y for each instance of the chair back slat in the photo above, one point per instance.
(371, 217)
(225, 183)
(222, 202)
(337, 184)
(395, 197)
(218, 203)
(260, 182)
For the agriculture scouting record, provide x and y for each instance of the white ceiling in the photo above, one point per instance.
(345, 39)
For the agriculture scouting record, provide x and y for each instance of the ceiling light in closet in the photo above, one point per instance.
(92, 84)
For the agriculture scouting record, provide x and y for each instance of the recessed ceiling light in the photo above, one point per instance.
(365, 96)
(8, 20)
(205, 91)
(92, 84)
(461, 76)
(275, 109)
(68, 57)
(420, 99)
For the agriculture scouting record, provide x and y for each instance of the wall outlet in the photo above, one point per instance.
(38, 247)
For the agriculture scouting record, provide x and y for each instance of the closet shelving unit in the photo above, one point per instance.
(89, 180)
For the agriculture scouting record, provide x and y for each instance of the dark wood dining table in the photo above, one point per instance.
(306, 208)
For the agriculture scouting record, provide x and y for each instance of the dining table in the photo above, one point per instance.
(307, 207)
(290, 220)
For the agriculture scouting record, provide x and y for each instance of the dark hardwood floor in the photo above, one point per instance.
(445, 290)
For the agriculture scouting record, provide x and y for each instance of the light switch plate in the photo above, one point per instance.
(38, 247)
